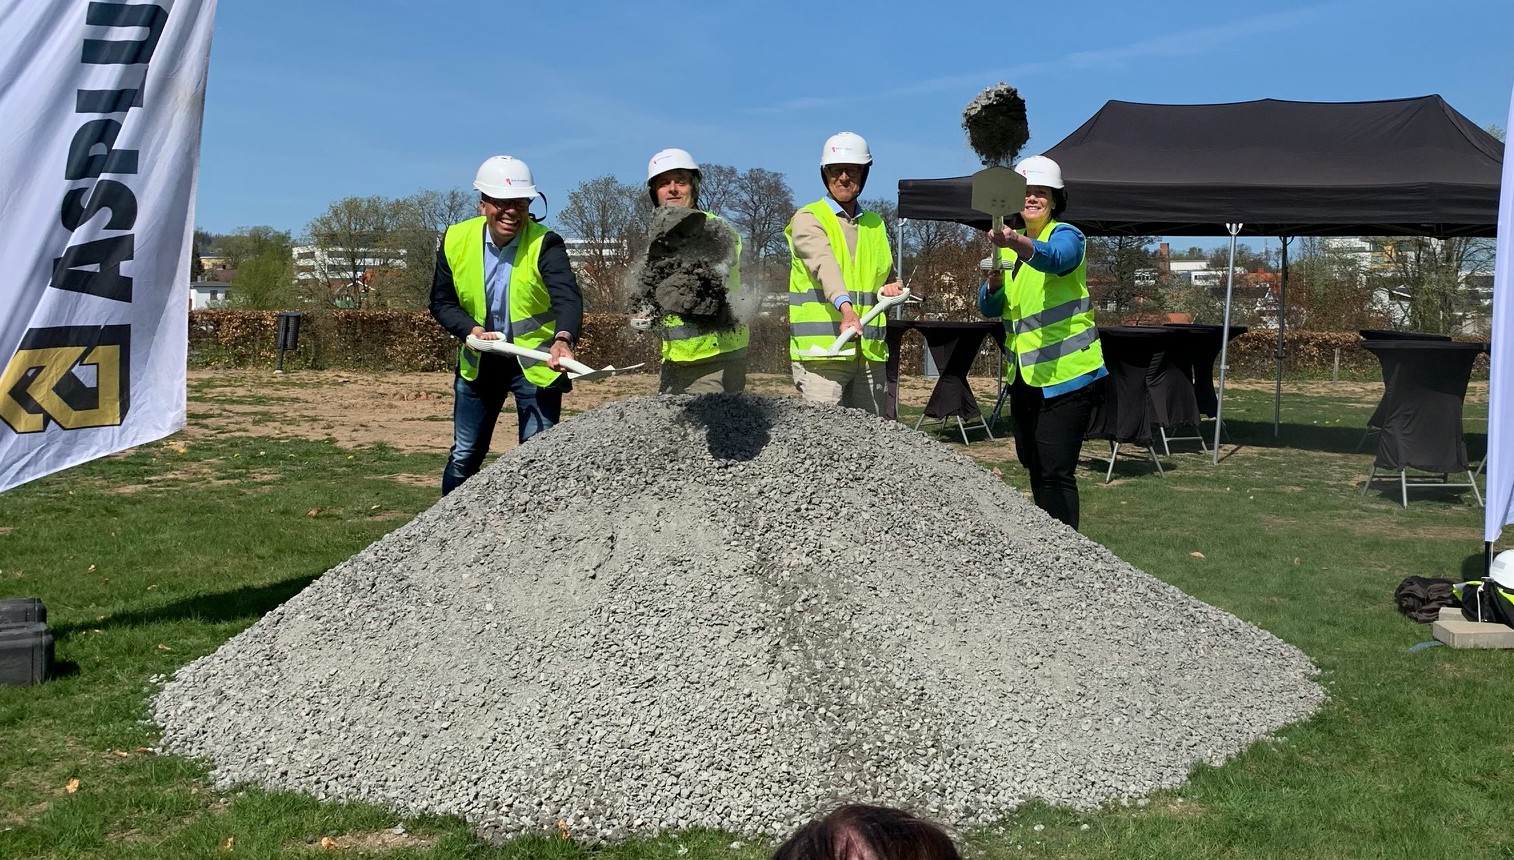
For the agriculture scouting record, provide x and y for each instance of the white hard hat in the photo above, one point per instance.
(845, 148)
(505, 178)
(1501, 570)
(670, 159)
(1040, 170)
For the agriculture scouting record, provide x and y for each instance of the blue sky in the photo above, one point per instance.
(313, 101)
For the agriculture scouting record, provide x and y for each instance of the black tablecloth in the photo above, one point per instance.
(1145, 389)
(1376, 419)
(1194, 355)
(953, 346)
(1424, 387)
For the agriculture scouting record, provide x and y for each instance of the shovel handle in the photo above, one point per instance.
(884, 303)
(505, 346)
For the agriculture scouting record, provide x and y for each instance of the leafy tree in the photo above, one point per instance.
(264, 261)
(196, 265)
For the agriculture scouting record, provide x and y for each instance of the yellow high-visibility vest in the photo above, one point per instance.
(815, 322)
(1048, 319)
(532, 323)
(685, 342)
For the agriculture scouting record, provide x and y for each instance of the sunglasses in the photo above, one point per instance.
(512, 203)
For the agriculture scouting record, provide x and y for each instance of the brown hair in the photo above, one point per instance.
(861, 832)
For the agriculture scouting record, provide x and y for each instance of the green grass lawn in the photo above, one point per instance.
(149, 559)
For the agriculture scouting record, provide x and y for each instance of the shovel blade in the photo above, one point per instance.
(998, 192)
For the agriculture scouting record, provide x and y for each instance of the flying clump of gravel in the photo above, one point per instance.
(731, 611)
(996, 125)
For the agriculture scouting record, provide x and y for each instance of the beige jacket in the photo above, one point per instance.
(813, 248)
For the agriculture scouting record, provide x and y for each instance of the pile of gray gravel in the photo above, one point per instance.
(731, 611)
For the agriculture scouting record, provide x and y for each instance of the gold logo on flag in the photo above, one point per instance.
(74, 376)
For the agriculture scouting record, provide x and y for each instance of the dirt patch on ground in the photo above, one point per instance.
(412, 412)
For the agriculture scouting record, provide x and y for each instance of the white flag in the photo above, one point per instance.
(1499, 509)
(100, 110)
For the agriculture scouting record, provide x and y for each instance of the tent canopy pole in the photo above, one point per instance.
(1282, 325)
(1219, 408)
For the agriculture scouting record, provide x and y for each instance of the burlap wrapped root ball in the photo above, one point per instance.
(996, 125)
(685, 269)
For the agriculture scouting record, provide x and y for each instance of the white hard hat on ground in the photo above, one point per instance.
(1501, 570)
(1040, 170)
(670, 159)
(505, 178)
(845, 148)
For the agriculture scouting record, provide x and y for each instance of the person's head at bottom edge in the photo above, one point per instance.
(864, 832)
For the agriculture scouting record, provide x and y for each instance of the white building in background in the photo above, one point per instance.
(208, 295)
(581, 251)
(314, 264)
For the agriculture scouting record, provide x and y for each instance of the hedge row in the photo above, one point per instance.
(412, 341)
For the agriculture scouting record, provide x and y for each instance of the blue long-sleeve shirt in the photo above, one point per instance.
(1060, 253)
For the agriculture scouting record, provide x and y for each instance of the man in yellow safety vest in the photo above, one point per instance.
(839, 270)
(503, 275)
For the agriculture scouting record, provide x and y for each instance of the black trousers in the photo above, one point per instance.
(1048, 438)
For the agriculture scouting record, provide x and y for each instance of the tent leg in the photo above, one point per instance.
(1219, 409)
(1114, 451)
(1282, 325)
(1370, 475)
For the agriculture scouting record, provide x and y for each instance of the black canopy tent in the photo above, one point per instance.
(1411, 167)
(1407, 167)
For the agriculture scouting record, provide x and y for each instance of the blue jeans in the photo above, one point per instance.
(476, 407)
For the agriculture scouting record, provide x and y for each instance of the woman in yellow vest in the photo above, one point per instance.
(840, 263)
(696, 359)
(1058, 364)
(503, 275)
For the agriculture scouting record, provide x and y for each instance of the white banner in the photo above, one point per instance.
(1500, 461)
(100, 110)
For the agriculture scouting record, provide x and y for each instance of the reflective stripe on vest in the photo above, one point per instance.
(1049, 319)
(531, 318)
(685, 342)
(815, 322)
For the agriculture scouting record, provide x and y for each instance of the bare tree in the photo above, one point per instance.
(1430, 275)
(717, 184)
(421, 219)
(352, 248)
(761, 205)
(1114, 271)
(941, 265)
(605, 219)
(1329, 289)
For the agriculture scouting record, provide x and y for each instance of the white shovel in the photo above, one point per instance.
(834, 350)
(577, 370)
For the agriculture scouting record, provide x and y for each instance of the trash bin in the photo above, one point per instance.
(289, 331)
(288, 337)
